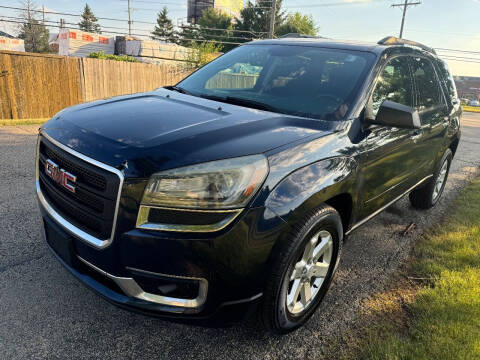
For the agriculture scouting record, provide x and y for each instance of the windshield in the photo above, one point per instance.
(296, 80)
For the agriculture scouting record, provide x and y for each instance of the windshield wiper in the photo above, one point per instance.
(242, 102)
(178, 89)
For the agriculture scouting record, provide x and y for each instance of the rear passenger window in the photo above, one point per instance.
(394, 84)
(428, 87)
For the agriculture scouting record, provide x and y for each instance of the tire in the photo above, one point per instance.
(428, 195)
(287, 262)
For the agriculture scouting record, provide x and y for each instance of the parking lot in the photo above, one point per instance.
(46, 313)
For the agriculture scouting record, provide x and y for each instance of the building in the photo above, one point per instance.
(229, 7)
(11, 44)
(468, 87)
(5, 35)
(72, 42)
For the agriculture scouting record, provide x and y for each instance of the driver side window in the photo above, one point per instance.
(394, 84)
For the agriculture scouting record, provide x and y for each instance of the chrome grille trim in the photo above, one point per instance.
(72, 229)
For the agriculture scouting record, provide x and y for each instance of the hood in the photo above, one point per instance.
(163, 129)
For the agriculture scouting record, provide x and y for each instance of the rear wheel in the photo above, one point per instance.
(302, 271)
(428, 195)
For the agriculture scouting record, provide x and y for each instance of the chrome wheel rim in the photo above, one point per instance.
(308, 274)
(442, 175)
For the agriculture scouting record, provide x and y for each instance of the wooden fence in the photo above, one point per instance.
(232, 81)
(38, 86)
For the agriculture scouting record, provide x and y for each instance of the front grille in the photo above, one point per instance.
(96, 180)
(92, 206)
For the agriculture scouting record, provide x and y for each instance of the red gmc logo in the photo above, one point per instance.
(60, 176)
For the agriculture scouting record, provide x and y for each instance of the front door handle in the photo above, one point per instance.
(417, 134)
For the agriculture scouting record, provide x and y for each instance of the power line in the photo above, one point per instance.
(460, 51)
(344, 3)
(405, 7)
(57, 13)
(123, 33)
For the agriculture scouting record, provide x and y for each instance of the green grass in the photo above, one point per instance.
(443, 316)
(8, 122)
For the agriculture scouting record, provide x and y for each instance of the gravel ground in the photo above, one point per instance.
(46, 313)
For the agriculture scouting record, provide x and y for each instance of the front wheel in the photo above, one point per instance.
(428, 195)
(303, 268)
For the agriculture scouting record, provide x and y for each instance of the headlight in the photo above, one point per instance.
(213, 188)
(224, 184)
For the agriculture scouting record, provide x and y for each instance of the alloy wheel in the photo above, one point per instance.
(309, 272)
(442, 176)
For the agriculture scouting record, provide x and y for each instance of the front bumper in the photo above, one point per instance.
(229, 268)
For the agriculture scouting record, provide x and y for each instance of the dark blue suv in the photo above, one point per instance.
(233, 191)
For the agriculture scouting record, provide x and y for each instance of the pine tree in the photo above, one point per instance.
(89, 21)
(164, 30)
(34, 33)
(214, 19)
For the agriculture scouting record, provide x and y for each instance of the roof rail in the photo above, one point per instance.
(298, 35)
(392, 40)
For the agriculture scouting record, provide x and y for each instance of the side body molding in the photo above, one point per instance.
(311, 185)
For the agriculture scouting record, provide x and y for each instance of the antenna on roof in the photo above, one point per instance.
(392, 40)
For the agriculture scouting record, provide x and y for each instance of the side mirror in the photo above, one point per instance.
(393, 114)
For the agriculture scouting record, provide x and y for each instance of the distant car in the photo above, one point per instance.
(474, 103)
(226, 192)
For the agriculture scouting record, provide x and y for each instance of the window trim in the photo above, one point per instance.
(382, 68)
(417, 92)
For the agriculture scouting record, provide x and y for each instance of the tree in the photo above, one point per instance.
(188, 35)
(89, 21)
(297, 23)
(164, 29)
(256, 18)
(34, 33)
(214, 19)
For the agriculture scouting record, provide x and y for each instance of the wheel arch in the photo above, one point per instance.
(331, 181)
(454, 145)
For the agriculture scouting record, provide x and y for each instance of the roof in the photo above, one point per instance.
(4, 34)
(378, 48)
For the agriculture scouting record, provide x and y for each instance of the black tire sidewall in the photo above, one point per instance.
(331, 222)
(446, 157)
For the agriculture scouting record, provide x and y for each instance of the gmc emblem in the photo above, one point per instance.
(60, 176)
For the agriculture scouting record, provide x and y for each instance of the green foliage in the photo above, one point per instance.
(202, 53)
(214, 19)
(34, 33)
(188, 35)
(255, 17)
(101, 55)
(164, 30)
(297, 23)
(35, 36)
(445, 315)
(89, 21)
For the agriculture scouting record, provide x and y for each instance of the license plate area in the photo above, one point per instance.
(61, 243)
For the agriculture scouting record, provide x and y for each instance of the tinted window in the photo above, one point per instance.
(428, 87)
(297, 80)
(394, 84)
(447, 78)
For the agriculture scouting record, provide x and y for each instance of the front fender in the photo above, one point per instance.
(312, 185)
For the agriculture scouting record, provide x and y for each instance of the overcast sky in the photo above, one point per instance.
(449, 24)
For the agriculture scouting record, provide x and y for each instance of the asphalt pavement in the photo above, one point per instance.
(46, 314)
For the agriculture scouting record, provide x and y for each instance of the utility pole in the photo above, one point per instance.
(43, 14)
(405, 7)
(271, 30)
(129, 19)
